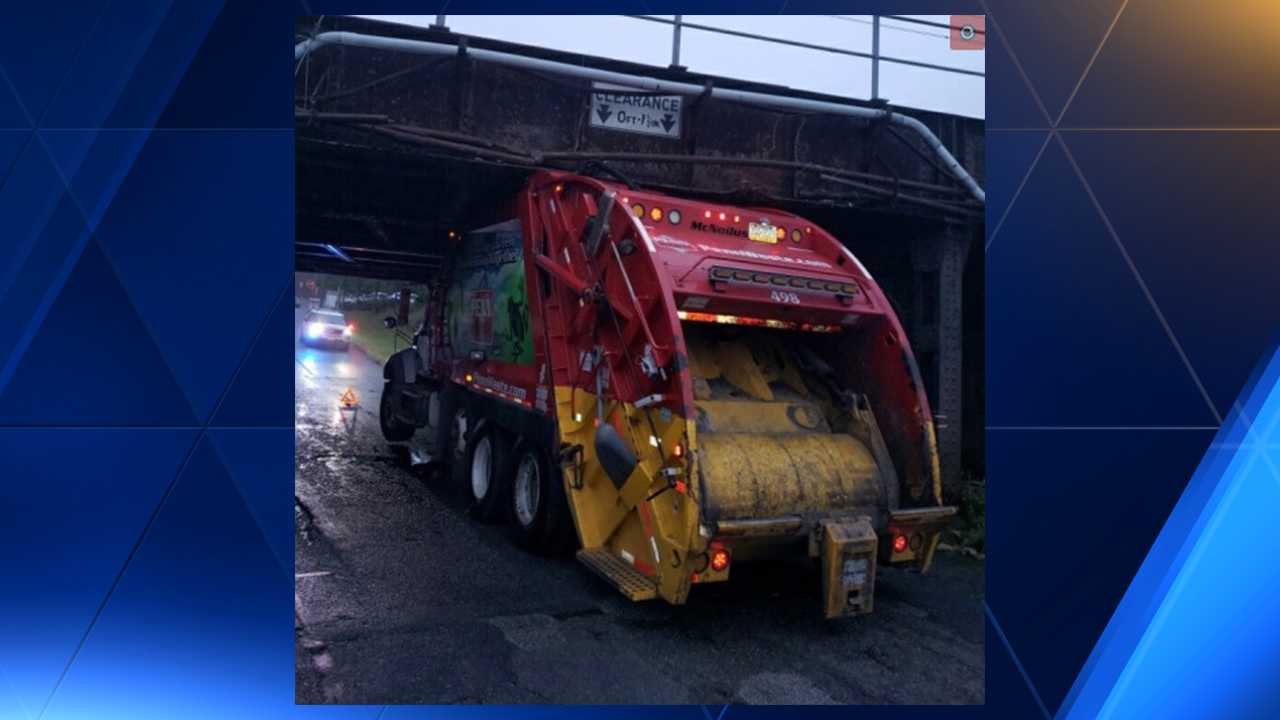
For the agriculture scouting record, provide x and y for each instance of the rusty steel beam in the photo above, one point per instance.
(937, 330)
(647, 83)
(751, 162)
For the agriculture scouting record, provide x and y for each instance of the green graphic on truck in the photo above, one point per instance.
(488, 306)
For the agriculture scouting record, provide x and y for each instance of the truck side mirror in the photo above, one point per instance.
(615, 455)
(402, 313)
(388, 322)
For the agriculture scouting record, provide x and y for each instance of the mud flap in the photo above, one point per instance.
(848, 566)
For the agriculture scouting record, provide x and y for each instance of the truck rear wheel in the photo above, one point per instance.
(539, 508)
(393, 428)
(489, 472)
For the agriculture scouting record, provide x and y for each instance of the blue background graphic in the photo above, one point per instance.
(146, 447)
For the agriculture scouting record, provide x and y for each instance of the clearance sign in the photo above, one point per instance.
(641, 113)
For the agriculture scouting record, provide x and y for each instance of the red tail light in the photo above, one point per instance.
(899, 543)
(719, 559)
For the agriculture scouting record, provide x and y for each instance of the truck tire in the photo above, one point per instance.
(539, 509)
(489, 470)
(393, 428)
(449, 435)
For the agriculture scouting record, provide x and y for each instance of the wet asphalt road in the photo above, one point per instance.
(402, 598)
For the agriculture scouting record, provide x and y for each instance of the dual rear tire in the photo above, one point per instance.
(507, 480)
(540, 518)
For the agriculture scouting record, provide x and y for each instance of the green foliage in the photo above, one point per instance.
(970, 527)
(377, 341)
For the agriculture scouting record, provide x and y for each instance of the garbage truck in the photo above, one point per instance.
(673, 387)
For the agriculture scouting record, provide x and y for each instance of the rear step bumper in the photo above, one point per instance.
(849, 548)
(908, 522)
(628, 580)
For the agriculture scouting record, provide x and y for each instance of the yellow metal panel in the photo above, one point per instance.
(611, 521)
(731, 416)
(762, 475)
(848, 566)
(702, 360)
(740, 369)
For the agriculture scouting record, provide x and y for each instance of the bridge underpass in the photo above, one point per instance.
(398, 153)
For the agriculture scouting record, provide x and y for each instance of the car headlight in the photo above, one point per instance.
(346, 331)
(314, 329)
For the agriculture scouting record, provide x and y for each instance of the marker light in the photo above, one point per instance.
(736, 218)
(638, 210)
(678, 451)
(559, 187)
(795, 235)
(721, 216)
(707, 214)
(674, 216)
(468, 377)
(782, 233)
(656, 214)
(719, 559)
(899, 543)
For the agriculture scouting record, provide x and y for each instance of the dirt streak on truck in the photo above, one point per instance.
(673, 387)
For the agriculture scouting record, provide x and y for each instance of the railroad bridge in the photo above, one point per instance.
(407, 135)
